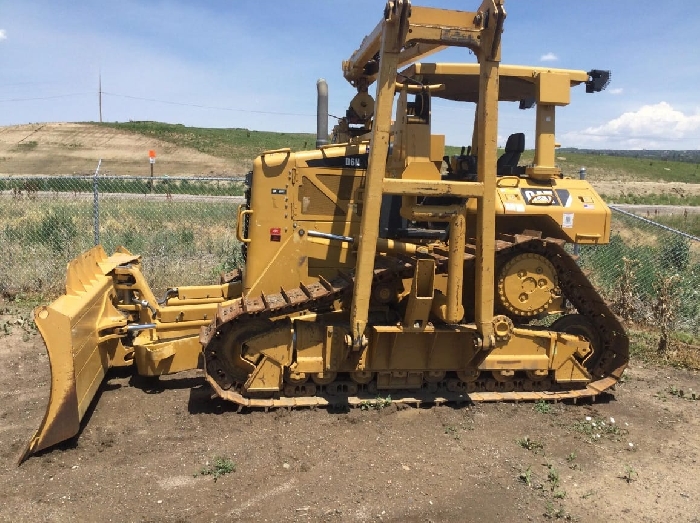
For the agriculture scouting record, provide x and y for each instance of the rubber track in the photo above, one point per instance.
(612, 358)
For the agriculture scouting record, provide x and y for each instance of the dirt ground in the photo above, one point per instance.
(73, 148)
(140, 454)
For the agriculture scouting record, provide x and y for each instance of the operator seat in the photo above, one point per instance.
(508, 162)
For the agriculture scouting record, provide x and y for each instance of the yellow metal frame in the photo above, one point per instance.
(403, 26)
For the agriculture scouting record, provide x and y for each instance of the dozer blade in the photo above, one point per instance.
(81, 333)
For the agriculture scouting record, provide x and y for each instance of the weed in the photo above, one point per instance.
(558, 513)
(377, 404)
(452, 431)
(570, 460)
(675, 254)
(559, 494)
(542, 407)
(549, 509)
(630, 474)
(587, 494)
(529, 444)
(221, 467)
(596, 428)
(57, 229)
(625, 298)
(666, 309)
(552, 477)
(661, 395)
(526, 476)
(680, 393)
(625, 377)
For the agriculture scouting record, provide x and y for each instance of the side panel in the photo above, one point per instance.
(291, 194)
(563, 208)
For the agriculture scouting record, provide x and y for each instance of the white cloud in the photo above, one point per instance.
(549, 57)
(617, 90)
(651, 126)
(3, 34)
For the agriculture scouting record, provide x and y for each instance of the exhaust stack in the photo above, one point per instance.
(321, 113)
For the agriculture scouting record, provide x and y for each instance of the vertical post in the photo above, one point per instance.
(392, 42)
(581, 176)
(455, 266)
(100, 95)
(96, 204)
(544, 137)
(152, 161)
(487, 123)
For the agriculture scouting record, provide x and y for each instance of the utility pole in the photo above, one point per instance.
(100, 95)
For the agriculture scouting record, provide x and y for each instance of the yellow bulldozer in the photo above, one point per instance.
(374, 264)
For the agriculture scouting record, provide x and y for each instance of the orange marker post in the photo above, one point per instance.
(152, 160)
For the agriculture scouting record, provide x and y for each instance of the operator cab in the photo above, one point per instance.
(540, 87)
(543, 87)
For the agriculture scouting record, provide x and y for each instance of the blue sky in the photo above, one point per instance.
(254, 64)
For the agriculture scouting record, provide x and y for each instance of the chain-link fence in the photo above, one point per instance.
(183, 227)
(185, 230)
(649, 272)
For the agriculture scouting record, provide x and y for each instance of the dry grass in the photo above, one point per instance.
(644, 343)
(184, 243)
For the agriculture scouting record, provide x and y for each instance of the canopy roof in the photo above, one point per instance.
(461, 80)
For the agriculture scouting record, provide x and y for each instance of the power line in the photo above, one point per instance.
(169, 102)
(43, 97)
(199, 106)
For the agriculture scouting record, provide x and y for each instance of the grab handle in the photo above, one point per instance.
(239, 226)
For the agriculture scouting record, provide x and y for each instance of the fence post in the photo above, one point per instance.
(581, 176)
(96, 204)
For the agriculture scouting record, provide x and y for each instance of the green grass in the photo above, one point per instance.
(235, 144)
(689, 223)
(26, 146)
(244, 145)
(620, 167)
(644, 344)
(183, 243)
(652, 199)
(159, 185)
(605, 167)
(652, 254)
(542, 407)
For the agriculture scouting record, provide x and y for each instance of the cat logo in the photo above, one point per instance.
(539, 197)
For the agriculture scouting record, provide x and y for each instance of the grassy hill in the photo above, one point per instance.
(68, 148)
(243, 145)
